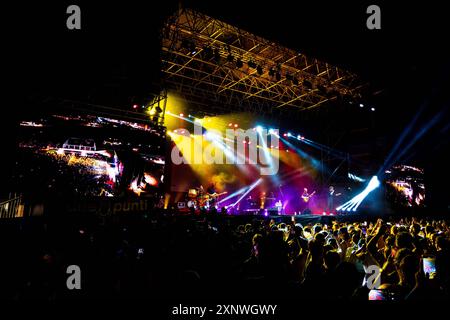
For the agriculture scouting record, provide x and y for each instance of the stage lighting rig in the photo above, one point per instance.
(216, 56)
(207, 53)
(189, 45)
(156, 112)
(251, 64)
(239, 63)
(212, 82)
(259, 69)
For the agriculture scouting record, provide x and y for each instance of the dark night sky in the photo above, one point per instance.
(410, 46)
(408, 58)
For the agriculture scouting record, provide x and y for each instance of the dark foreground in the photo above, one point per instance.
(209, 257)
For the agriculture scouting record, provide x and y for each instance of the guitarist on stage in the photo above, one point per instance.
(306, 197)
(208, 198)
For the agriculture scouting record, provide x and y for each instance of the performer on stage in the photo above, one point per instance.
(212, 195)
(330, 199)
(202, 198)
(208, 198)
(306, 197)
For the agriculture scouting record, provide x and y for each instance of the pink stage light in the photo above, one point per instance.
(150, 179)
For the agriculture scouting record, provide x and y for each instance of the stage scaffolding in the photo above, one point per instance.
(220, 66)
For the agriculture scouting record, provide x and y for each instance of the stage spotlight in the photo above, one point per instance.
(355, 178)
(135, 106)
(210, 135)
(353, 204)
(299, 137)
(156, 114)
(373, 109)
(207, 53)
(259, 129)
(251, 64)
(373, 184)
(361, 105)
(181, 115)
(285, 135)
(289, 134)
(249, 189)
(271, 131)
(216, 56)
(189, 45)
(234, 194)
(230, 124)
(236, 125)
(259, 69)
(192, 48)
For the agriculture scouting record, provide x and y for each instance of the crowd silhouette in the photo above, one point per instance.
(167, 256)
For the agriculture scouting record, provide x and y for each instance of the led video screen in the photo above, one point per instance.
(88, 156)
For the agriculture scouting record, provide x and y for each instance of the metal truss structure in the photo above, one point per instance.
(218, 65)
(67, 107)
